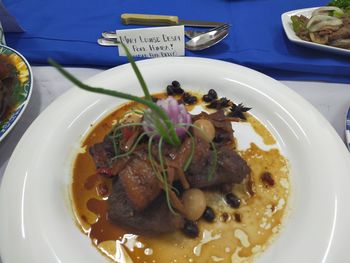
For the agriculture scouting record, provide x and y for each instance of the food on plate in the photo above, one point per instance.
(7, 86)
(328, 25)
(345, 4)
(13, 79)
(161, 179)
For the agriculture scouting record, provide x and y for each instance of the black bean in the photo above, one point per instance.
(190, 229)
(176, 84)
(192, 100)
(188, 98)
(207, 98)
(212, 93)
(170, 90)
(232, 200)
(209, 214)
(178, 90)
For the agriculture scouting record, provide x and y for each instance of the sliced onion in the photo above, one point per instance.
(330, 28)
(319, 39)
(316, 23)
(325, 9)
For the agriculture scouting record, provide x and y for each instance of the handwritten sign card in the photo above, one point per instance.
(153, 42)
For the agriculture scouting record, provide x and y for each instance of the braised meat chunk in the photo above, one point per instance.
(140, 183)
(156, 219)
(139, 197)
(230, 168)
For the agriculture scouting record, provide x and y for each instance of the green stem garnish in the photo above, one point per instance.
(131, 149)
(137, 72)
(152, 161)
(163, 126)
(215, 156)
(189, 160)
(117, 135)
(165, 178)
(170, 137)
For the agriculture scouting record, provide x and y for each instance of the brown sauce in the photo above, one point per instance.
(236, 235)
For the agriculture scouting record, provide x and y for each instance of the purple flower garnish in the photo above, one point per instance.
(177, 114)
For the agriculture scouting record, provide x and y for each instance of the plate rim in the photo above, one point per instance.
(71, 91)
(286, 24)
(22, 107)
(347, 128)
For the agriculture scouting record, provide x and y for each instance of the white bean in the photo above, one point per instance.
(206, 129)
(194, 202)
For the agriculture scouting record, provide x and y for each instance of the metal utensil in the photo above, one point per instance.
(206, 40)
(194, 33)
(107, 42)
(163, 20)
(199, 42)
(188, 33)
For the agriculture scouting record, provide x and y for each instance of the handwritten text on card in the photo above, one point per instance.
(153, 42)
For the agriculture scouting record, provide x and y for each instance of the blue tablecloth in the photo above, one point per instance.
(67, 31)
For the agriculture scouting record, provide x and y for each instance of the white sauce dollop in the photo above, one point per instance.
(242, 237)
(207, 237)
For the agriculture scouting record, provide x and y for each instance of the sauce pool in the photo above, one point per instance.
(236, 235)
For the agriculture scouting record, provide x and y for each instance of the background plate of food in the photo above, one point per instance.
(294, 208)
(325, 28)
(15, 88)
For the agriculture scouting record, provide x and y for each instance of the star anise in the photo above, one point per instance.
(238, 111)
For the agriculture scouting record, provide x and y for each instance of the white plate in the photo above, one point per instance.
(37, 224)
(347, 129)
(288, 29)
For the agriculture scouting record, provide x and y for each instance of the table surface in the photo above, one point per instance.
(331, 99)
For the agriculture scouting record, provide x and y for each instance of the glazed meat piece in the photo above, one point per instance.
(140, 183)
(102, 152)
(231, 168)
(135, 172)
(156, 219)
